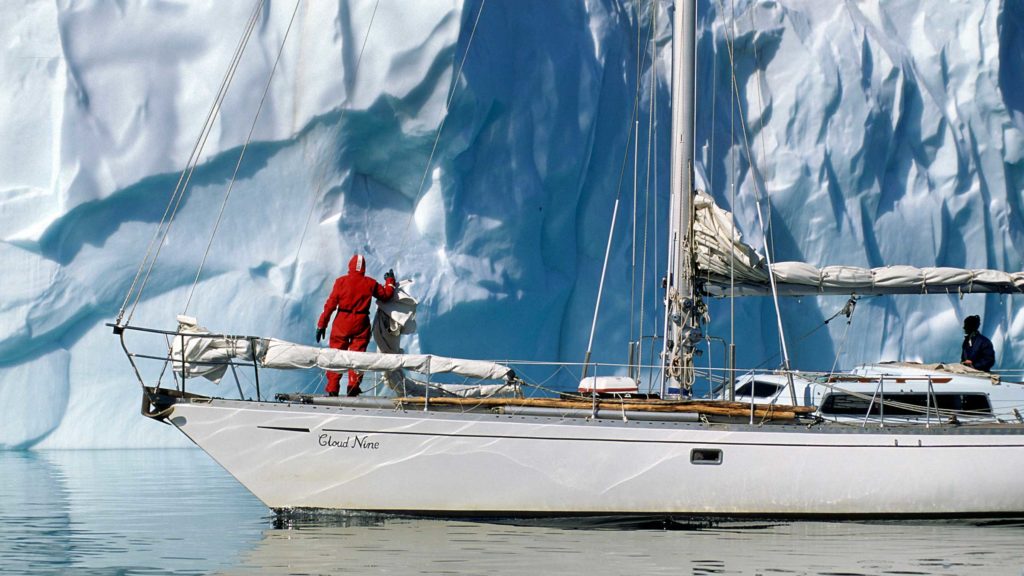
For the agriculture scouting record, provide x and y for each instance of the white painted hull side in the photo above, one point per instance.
(450, 463)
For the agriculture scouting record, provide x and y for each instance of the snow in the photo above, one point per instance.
(886, 133)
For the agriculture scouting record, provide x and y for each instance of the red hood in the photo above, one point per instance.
(357, 265)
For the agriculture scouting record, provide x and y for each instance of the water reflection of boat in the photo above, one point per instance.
(402, 545)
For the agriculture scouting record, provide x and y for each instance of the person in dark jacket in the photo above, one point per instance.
(977, 351)
(351, 298)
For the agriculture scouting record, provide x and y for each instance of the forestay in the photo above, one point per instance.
(719, 248)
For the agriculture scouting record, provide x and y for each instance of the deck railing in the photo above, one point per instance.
(715, 380)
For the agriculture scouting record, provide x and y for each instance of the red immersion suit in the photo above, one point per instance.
(351, 297)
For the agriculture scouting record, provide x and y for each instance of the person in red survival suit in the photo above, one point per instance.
(351, 297)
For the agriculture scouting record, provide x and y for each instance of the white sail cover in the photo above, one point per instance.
(280, 354)
(202, 356)
(209, 355)
(402, 385)
(719, 247)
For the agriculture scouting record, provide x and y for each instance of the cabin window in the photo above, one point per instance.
(705, 456)
(848, 405)
(761, 389)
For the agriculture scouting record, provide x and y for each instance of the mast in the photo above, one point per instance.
(682, 322)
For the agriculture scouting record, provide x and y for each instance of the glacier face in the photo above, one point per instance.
(884, 133)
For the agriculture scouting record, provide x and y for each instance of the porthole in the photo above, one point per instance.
(705, 456)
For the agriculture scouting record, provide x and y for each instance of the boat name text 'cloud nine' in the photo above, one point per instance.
(348, 442)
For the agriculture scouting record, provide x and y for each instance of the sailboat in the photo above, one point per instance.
(604, 451)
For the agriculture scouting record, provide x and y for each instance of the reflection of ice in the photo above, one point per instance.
(121, 511)
(358, 545)
(34, 519)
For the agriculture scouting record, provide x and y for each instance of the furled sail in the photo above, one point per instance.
(280, 354)
(202, 353)
(718, 247)
(202, 356)
(404, 386)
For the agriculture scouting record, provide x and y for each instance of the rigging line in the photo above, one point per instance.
(647, 180)
(730, 40)
(192, 155)
(663, 301)
(241, 155)
(654, 178)
(632, 265)
(808, 334)
(730, 37)
(760, 218)
(733, 104)
(177, 204)
(641, 62)
(714, 107)
(444, 119)
(711, 178)
(760, 121)
(636, 144)
(600, 287)
(611, 231)
(193, 159)
(341, 122)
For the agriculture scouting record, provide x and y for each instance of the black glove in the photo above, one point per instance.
(389, 275)
(320, 334)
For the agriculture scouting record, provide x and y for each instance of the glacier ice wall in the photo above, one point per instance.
(885, 134)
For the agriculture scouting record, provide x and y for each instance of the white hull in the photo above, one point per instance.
(489, 464)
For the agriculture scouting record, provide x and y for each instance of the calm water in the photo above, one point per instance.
(176, 512)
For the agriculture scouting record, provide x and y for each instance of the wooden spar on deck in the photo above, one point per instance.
(718, 408)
